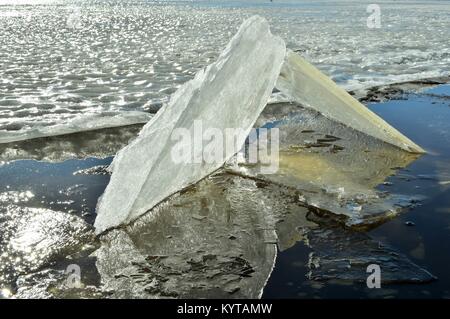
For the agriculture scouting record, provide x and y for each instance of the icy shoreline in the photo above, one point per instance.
(106, 142)
(378, 93)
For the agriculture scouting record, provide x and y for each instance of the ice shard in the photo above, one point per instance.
(230, 93)
(86, 123)
(310, 87)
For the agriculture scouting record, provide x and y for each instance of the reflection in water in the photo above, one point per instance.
(217, 239)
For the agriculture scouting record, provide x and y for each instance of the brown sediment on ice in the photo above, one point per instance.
(332, 167)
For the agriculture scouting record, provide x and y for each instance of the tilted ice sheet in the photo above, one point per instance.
(310, 87)
(144, 172)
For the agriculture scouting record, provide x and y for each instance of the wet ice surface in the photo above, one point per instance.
(216, 239)
(73, 65)
(339, 254)
(220, 237)
(333, 168)
(206, 242)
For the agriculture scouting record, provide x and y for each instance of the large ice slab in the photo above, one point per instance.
(310, 87)
(230, 93)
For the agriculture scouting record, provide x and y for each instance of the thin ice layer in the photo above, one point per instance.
(202, 244)
(310, 87)
(230, 93)
(82, 124)
(99, 143)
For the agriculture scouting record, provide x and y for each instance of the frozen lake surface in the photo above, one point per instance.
(69, 66)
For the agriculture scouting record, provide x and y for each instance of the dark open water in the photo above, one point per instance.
(426, 120)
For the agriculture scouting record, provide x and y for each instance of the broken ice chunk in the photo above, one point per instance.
(230, 93)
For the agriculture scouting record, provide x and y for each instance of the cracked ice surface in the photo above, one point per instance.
(213, 97)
